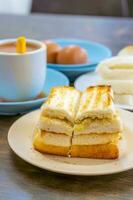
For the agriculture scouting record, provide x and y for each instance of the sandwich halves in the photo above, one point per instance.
(97, 126)
(79, 124)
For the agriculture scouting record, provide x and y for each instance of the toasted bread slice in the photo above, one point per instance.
(55, 125)
(62, 103)
(98, 126)
(102, 151)
(96, 102)
(51, 143)
(95, 139)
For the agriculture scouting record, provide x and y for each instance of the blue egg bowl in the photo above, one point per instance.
(96, 53)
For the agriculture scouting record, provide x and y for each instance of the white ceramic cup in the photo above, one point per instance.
(22, 76)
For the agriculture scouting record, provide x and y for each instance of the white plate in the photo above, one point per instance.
(20, 140)
(91, 78)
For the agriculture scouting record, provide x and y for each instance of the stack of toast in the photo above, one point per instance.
(79, 124)
(55, 127)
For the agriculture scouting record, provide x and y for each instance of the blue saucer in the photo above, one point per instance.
(96, 53)
(53, 78)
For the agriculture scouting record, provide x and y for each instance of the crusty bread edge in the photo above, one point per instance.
(103, 151)
(40, 146)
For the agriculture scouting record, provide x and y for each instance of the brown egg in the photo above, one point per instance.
(52, 50)
(72, 54)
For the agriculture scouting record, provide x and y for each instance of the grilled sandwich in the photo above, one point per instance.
(79, 124)
(62, 103)
(96, 102)
(98, 127)
(56, 123)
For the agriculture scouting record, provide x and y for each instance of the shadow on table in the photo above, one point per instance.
(65, 184)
